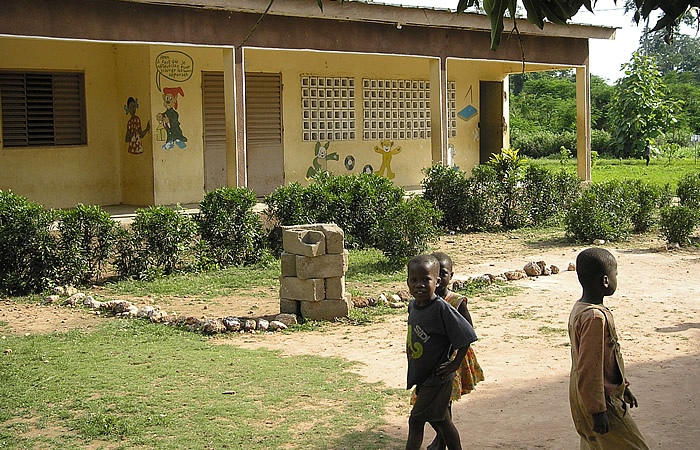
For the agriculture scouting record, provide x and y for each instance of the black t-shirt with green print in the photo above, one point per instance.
(435, 330)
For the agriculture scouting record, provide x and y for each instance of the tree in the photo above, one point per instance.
(560, 11)
(639, 108)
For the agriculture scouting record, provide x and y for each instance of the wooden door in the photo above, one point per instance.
(264, 150)
(214, 130)
(491, 121)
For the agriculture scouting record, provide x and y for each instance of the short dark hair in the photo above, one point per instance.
(443, 258)
(424, 260)
(592, 264)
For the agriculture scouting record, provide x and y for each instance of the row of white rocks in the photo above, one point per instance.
(531, 269)
(124, 308)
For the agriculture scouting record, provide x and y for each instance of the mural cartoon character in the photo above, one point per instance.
(320, 162)
(387, 153)
(134, 133)
(170, 119)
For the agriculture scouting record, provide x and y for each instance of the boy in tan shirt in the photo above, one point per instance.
(598, 391)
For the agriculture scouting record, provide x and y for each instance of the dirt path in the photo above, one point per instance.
(523, 347)
(524, 351)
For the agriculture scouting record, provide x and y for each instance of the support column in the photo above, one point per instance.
(438, 110)
(583, 122)
(239, 103)
(230, 112)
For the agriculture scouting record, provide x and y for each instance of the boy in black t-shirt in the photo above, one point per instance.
(435, 330)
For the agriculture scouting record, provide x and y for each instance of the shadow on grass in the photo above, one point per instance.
(366, 440)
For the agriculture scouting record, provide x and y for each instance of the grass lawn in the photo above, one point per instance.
(135, 384)
(659, 172)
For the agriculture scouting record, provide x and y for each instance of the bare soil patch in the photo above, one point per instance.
(523, 346)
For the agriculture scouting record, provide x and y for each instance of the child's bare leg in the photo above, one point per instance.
(449, 433)
(439, 443)
(415, 434)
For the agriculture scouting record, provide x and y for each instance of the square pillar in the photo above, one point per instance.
(230, 111)
(583, 122)
(438, 110)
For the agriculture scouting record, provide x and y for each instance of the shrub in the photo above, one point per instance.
(644, 199)
(407, 229)
(447, 189)
(229, 228)
(86, 242)
(508, 167)
(538, 144)
(28, 260)
(689, 190)
(548, 194)
(160, 242)
(356, 203)
(678, 223)
(482, 202)
(602, 142)
(602, 212)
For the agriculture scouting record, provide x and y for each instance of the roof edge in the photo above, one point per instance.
(389, 14)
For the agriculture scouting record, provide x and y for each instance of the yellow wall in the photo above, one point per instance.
(298, 155)
(467, 75)
(64, 176)
(179, 173)
(133, 77)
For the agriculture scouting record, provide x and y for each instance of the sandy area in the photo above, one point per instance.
(523, 347)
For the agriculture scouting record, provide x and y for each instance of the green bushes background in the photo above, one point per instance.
(41, 248)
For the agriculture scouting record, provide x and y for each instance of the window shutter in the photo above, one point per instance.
(42, 109)
(13, 94)
(69, 123)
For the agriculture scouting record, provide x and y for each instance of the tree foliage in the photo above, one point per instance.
(640, 108)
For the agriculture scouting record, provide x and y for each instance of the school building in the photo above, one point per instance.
(146, 102)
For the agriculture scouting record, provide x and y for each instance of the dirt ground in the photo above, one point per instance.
(523, 347)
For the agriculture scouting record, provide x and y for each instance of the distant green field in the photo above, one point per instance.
(659, 171)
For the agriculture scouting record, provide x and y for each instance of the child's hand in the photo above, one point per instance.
(601, 425)
(447, 367)
(630, 398)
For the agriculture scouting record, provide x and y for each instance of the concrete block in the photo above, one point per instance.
(290, 306)
(293, 288)
(303, 242)
(289, 264)
(335, 237)
(324, 266)
(335, 288)
(326, 309)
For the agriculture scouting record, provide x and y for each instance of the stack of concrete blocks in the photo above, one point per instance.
(314, 262)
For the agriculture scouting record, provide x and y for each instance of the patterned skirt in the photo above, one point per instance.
(465, 379)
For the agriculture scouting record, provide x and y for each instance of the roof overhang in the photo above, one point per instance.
(359, 11)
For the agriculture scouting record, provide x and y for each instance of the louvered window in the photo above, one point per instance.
(42, 109)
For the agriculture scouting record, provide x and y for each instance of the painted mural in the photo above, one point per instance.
(134, 133)
(385, 149)
(320, 161)
(178, 67)
(170, 119)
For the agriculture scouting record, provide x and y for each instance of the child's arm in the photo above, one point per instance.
(464, 311)
(590, 369)
(452, 366)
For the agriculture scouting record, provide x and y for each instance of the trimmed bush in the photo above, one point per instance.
(549, 194)
(356, 203)
(448, 191)
(644, 198)
(407, 229)
(602, 212)
(677, 223)
(482, 203)
(86, 242)
(28, 259)
(538, 144)
(689, 190)
(161, 241)
(231, 232)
